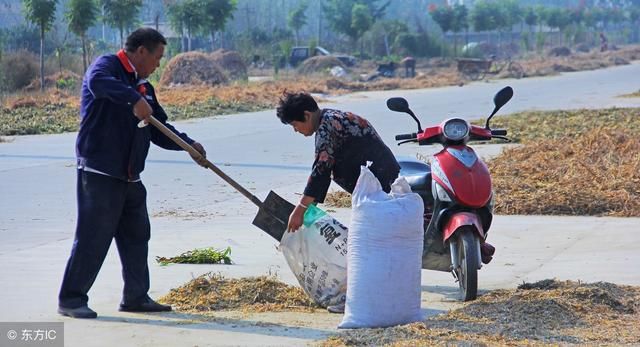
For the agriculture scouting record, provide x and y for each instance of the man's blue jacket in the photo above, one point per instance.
(109, 139)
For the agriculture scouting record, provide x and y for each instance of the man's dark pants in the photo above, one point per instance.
(108, 208)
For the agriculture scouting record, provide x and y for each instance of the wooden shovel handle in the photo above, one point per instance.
(196, 155)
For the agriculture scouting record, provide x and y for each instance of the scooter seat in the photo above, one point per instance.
(417, 174)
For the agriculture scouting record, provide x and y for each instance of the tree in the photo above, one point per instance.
(297, 18)
(485, 16)
(531, 20)
(216, 14)
(81, 15)
(339, 13)
(121, 14)
(361, 21)
(460, 22)
(186, 16)
(558, 18)
(41, 13)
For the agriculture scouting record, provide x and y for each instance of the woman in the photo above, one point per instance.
(344, 142)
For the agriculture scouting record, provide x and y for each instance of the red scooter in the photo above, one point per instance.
(457, 194)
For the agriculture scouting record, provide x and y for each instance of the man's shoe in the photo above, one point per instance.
(78, 312)
(339, 308)
(147, 306)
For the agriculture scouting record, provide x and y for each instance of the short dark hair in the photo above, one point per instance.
(147, 37)
(293, 105)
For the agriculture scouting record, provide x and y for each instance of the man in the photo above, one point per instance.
(111, 148)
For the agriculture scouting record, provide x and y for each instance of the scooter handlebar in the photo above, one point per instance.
(411, 136)
(499, 132)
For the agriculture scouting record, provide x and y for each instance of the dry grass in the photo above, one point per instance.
(57, 111)
(194, 68)
(338, 198)
(541, 313)
(581, 162)
(544, 66)
(632, 95)
(597, 174)
(36, 113)
(213, 292)
(532, 126)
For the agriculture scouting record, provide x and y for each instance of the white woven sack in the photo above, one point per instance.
(316, 254)
(385, 255)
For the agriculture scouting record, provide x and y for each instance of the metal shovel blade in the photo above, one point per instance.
(273, 215)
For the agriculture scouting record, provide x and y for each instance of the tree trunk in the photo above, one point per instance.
(386, 44)
(189, 40)
(455, 44)
(42, 58)
(213, 40)
(121, 37)
(84, 52)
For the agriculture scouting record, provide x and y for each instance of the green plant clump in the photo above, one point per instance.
(199, 256)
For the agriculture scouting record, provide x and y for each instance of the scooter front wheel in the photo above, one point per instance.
(468, 245)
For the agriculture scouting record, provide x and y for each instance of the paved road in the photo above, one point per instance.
(191, 208)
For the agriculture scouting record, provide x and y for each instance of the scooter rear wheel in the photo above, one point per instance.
(468, 258)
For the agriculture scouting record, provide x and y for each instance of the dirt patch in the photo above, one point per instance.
(193, 68)
(231, 63)
(319, 64)
(542, 313)
(213, 292)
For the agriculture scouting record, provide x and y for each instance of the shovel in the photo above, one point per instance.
(273, 213)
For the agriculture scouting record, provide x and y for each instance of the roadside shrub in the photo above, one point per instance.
(418, 45)
(18, 70)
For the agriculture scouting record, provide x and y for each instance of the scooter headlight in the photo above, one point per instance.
(456, 129)
(439, 192)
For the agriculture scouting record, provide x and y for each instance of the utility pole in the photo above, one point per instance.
(319, 38)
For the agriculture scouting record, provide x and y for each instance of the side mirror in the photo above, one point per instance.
(503, 96)
(398, 105)
(401, 105)
(500, 99)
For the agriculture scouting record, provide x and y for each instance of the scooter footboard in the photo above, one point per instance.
(434, 255)
(436, 261)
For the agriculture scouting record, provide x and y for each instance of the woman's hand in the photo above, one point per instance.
(295, 219)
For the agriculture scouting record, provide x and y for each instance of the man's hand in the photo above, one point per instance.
(295, 219)
(202, 161)
(142, 110)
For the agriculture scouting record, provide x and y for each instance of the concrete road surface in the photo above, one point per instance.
(192, 208)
